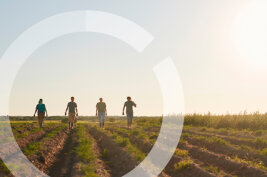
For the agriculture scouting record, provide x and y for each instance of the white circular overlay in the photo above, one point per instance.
(99, 22)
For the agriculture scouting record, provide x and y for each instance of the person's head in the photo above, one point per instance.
(101, 100)
(41, 101)
(129, 98)
(72, 98)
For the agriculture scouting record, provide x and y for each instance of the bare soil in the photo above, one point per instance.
(118, 160)
(51, 147)
(100, 164)
(66, 163)
(145, 147)
(227, 150)
(223, 162)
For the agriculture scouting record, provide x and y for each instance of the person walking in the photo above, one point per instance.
(41, 109)
(101, 112)
(129, 111)
(73, 112)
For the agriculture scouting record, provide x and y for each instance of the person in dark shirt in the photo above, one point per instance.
(73, 112)
(101, 112)
(129, 111)
(41, 109)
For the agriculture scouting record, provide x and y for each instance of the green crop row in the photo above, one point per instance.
(84, 151)
(37, 147)
(125, 143)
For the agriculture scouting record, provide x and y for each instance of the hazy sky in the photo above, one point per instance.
(218, 47)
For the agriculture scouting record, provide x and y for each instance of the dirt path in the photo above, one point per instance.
(117, 159)
(68, 162)
(101, 170)
(65, 159)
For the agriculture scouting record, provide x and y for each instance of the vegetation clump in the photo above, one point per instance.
(184, 164)
(254, 121)
(181, 153)
(212, 169)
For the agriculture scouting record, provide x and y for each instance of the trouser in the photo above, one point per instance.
(129, 117)
(101, 117)
(71, 119)
(41, 119)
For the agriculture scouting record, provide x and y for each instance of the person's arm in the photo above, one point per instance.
(106, 109)
(46, 112)
(96, 110)
(35, 112)
(77, 114)
(134, 104)
(66, 109)
(123, 109)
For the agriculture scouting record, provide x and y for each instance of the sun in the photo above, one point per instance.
(251, 33)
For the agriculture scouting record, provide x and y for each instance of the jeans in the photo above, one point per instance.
(101, 117)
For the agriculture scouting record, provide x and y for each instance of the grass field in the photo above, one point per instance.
(229, 145)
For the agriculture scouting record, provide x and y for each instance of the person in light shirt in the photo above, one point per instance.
(73, 112)
(129, 104)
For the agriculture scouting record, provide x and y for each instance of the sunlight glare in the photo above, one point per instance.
(251, 33)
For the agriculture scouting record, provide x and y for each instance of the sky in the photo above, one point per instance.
(218, 48)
